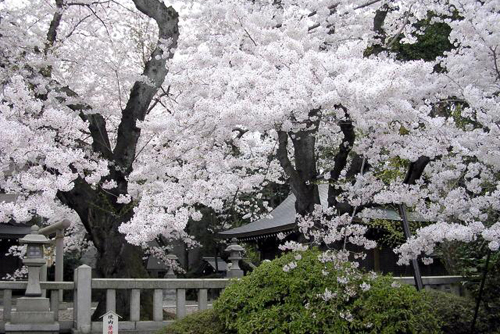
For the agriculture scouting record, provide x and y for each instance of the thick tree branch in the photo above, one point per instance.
(416, 169)
(345, 147)
(304, 173)
(97, 125)
(341, 158)
(153, 75)
(282, 155)
(54, 24)
(79, 199)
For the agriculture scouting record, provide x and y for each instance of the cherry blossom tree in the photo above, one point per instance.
(100, 118)
(70, 128)
(320, 76)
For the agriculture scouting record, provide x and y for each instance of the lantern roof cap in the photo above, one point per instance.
(34, 237)
(234, 246)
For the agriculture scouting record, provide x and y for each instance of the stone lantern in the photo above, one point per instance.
(33, 311)
(170, 273)
(235, 255)
(34, 260)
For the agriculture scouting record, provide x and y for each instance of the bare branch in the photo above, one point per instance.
(369, 3)
(248, 34)
(76, 26)
(405, 23)
(158, 99)
(240, 131)
(86, 4)
(119, 89)
(97, 16)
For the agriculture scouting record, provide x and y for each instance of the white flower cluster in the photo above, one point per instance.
(320, 228)
(428, 237)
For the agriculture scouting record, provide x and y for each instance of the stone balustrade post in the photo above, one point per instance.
(158, 305)
(83, 299)
(202, 299)
(111, 300)
(7, 305)
(135, 305)
(181, 303)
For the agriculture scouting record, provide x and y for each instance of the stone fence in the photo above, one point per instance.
(84, 286)
(54, 289)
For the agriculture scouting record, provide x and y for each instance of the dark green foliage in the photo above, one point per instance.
(456, 314)
(273, 301)
(204, 322)
(394, 310)
(472, 259)
(431, 44)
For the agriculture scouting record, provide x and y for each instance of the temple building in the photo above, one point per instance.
(263, 233)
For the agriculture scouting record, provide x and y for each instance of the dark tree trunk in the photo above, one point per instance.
(116, 258)
(340, 160)
(303, 173)
(98, 210)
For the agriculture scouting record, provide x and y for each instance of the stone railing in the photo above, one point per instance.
(54, 289)
(452, 284)
(84, 286)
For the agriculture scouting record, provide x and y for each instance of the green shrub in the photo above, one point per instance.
(457, 312)
(395, 309)
(271, 300)
(204, 322)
